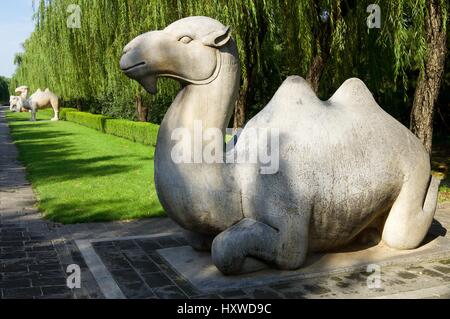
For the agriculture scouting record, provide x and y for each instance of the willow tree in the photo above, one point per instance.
(326, 41)
(336, 44)
(81, 63)
(430, 78)
(415, 32)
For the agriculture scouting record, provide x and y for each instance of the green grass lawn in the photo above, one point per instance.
(81, 175)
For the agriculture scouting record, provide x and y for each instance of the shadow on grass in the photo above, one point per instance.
(48, 159)
(66, 167)
(97, 211)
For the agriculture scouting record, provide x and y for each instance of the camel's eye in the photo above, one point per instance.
(186, 40)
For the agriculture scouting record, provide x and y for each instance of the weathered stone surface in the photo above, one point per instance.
(342, 162)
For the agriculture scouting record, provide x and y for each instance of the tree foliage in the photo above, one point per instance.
(275, 38)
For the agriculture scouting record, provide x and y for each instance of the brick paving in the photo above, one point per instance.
(141, 273)
(33, 257)
(35, 253)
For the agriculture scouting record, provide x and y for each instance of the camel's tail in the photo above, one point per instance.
(430, 204)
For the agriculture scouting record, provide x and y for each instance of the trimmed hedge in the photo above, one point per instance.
(139, 132)
(63, 112)
(97, 122)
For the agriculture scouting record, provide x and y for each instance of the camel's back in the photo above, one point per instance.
(344, 159)
(44, 98)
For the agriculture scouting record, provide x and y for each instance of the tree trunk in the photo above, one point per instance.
(323, 47)
(79, 105)
(315, 72)
(429, 82)
(142, 111)
(239, 109)
(251, 47)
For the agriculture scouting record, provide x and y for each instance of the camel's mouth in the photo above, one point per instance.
(139, 71)
(131, 68)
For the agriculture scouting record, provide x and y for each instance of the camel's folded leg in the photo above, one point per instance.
(241, 248)
(412, 214)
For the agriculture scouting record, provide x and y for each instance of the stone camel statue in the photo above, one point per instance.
(13, 100)
(39, 100)
(16, 104)
(345, 165)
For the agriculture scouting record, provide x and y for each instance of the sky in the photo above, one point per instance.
(16, 25)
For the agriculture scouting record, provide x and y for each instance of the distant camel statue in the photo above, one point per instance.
(16, 104)
(39, 100)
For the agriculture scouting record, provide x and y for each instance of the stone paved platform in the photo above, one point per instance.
(141, 272)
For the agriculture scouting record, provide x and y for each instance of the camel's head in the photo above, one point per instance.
(14, 102)
(187, 50)
(22, 89)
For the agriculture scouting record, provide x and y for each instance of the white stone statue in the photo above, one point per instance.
(16, 104)
(345, 165)
(13, 100)
(39, 100)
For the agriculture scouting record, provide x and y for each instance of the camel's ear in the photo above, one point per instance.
(217, 39)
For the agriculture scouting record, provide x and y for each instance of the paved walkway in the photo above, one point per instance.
(35, 254)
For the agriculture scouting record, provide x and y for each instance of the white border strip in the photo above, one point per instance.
(104, 279)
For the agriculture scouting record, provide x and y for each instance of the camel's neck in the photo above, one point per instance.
(189, 190)
(24, 95)
(205, 106)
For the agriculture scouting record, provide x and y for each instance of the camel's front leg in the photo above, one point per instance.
(55, 106)
(285, 246)
(56, 116)
(33, 115)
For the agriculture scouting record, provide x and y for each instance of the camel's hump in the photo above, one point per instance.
(353, 92)
(297, 98)
(295, 90)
